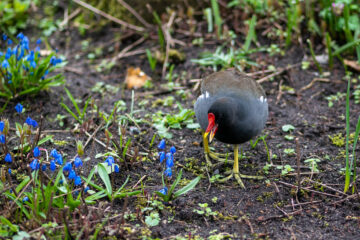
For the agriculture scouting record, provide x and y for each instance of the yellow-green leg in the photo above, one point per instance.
(235, 172)
(212, 155)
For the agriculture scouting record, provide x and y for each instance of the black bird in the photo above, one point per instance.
(232, 108)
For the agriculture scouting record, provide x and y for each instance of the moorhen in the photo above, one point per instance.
(232, 108)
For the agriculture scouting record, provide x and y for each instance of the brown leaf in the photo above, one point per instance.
(135, 78)
(353, 64)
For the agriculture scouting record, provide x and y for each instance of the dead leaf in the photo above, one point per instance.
(135, 78)
(353, 64)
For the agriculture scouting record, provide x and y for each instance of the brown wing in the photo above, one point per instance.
(231, 79)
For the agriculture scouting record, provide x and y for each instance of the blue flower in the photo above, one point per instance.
(19, 108)
(36, 151)
(8, 53)
(28, 121)
(45, 73)
(52, 165)
(2, 139)
(33, 64)
(116, 169)
(110, 160)
(37, 49)
(67, 167)
(77, 181)
(54, 60)
(21, 54)
(169, 160)
(4, 36)
(31, 56)
(5, 64)
(54, 153)
(25, 42)
(162, 144)
(59, 160)
(9, 42)
(43, 167)
(25, 199)
(78, 162)
(34, 124)
(8, 158)
(164, 190)
(9, 171)
(38, 41)
(34, 165)
(2, 126)
(168, 172)
(72, 174)
(86, 189)
(161, 156)
(173, 150)
(20, 36)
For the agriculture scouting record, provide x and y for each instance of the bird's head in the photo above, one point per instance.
(212, 126)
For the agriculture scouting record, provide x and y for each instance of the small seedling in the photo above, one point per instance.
(78, 114)
(205, 210)
(312, 163)
(285, 169)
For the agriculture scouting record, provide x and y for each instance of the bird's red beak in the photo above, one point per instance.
(212, 127)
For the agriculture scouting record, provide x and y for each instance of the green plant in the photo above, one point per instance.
(13, 15)
(217, 16)
(104, 170)
(289, 151)
(312, 163)
(334, 98)
(350, 165)
(205, 210)
(168, 195)
(78, 115)
(285, 169)
(152, 60)
(25, 72)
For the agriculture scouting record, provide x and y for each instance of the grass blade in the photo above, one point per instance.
(105, 178)
(68, 93)
(347, 166)
(251, 34)
(188, 187)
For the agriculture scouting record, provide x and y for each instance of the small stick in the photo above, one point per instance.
(302, 204)
(298, 163)
(143, 177)
(326, 186)
(130, 9)
(321, 193)
(280, 71)
(92, 135)
(111, 18)
(126, 49)
(166, 29)
(69, 17)
(313, 82)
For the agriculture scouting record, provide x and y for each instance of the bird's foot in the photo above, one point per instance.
(220, 157)
(238, 176)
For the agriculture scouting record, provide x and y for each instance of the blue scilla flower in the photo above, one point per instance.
(31, 56)
(34, 165)
(9, 41)
(25, 43)
(72, 174)
(2, 139)
(168, 172)
(34, 123)
(4, 36)
(52, 165)
(67, 167)
(162, 144)
(78, 162)
(161, 156)
(173, 150)
(59, 160)
(54, 153)
(5, 64)
(77, 181)
(8, 158)
(33, 64)
(43, 167)
(164, 190)
(45, 73)
(110, 160)
(116, 169)
(9, 171)
(31, 122)
(86, 189)
(20, 36)
(54, 60)
(36, 151)
(38, 42)
(2, 126)
(25, 199)
(37, 49)
(8, 53)
(169, 160)
(19, 108)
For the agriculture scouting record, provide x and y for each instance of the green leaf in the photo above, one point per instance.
(105, 178)
(13, 228)
(188, 187)
(288, 128)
